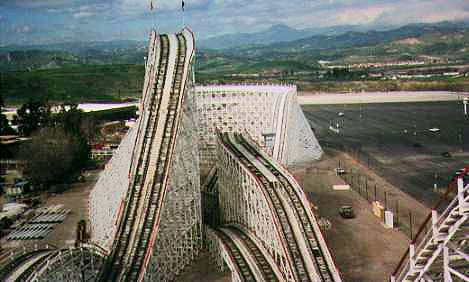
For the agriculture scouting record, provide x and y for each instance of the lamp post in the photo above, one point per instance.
(464, 101)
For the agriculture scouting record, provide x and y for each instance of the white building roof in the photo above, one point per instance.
(272, 88)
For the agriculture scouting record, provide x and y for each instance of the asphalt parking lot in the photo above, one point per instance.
(396, 140)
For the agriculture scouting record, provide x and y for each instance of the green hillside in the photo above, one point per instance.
(112, 71)
(73, 83)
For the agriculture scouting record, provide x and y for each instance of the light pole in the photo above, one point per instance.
(464, 101)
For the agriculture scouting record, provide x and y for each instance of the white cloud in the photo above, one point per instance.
(83, 14)
(320, 13)
(425, 11)
(46, 3)
(135, 7)
(213, 17)
(23, 29)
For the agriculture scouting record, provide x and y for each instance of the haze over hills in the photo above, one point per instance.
(281, 45)
(70, 70)
(372, 37)
(276, 33)
(284, 34)
(446, 41)
(76, 53)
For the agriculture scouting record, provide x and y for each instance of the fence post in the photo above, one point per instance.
(397, 213)
(375, 193)
(385, 200)
(359, 184)
(366, 188)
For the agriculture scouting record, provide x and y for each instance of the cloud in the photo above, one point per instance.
(45, 3)
(23, 29)
(425, 11)
(80, 15)
(139, 7)
(118, 18)
(87, 11)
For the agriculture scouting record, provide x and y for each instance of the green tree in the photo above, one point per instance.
(5, 128)
(32, 116)
(75, 123)
(59, 151)
(53, 157)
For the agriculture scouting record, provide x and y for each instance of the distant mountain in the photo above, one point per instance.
(314, 45)
(36, 59)
(445, 42)
(276, 33)
(284, 34)
(373, 37)
(14, 58)
(280, 44)
(81, 47)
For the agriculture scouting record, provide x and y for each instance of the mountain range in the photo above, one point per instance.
(279, 42)
(276, 33)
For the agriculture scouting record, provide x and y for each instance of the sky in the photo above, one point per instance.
(29, 22)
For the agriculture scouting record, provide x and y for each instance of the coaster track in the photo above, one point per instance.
(144, 200)
(297, 227)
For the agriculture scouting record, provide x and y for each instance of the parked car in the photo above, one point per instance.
(346, 212)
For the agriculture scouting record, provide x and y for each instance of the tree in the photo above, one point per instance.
(53, 157)
(59, 146)
(5, 128)
(32, 116)
(75, 124)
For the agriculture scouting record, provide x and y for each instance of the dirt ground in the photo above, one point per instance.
(203, 270)
(407, 211)
(364, 249)
(75, 199)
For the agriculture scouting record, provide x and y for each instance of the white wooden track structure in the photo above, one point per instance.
(259, 199)
(147, 213)
(442, 253)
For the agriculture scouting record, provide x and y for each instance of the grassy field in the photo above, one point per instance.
(74, 83)
(105, 83)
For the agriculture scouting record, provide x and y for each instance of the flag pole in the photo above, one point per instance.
(153, 15)
(183, 18)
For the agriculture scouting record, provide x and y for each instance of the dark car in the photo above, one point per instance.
(346, 212)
